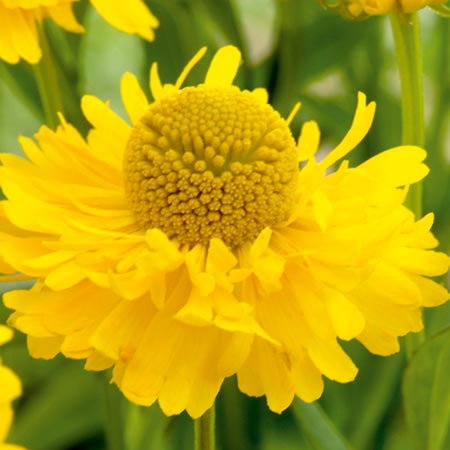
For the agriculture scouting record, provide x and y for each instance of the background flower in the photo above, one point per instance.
(356, 8)
(10, 389)
(19, 35)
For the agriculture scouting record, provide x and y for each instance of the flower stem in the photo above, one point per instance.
(47, 82)
(406, 31)
(113, 417)
(204, 430)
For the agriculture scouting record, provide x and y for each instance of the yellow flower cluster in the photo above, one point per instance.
(19, 35)
(150, 255)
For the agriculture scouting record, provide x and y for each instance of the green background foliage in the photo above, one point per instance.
(299, 52)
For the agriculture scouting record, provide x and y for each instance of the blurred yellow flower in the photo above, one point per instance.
(18, 32)
(10, 389)
(189, 247)
(361, 8)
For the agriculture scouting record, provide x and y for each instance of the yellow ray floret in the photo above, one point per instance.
(191, 246)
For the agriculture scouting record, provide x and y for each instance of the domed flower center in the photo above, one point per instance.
(210, 162)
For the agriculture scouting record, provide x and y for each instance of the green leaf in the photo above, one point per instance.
(259, 31)
(63, 411)
(426, 393)
(224, 16)
(19, 106)
(319, 431)
(149, 428)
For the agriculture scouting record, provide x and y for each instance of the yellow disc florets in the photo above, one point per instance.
(210, 162)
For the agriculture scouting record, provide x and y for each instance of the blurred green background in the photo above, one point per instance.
(299, 52)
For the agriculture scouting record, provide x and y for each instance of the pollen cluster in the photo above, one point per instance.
(210, 162)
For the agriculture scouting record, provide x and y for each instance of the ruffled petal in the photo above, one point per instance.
(162, 366)
(266, 372)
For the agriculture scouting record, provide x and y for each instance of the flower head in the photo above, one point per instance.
(189, 247)
(10, 389)
(18, 32)
(362, 8)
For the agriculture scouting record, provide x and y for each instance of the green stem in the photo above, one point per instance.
(47, 82)
(406, 31)
(204, 430)
(113, 417)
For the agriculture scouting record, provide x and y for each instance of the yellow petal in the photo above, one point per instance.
(77, 345)
(134, 98)
(308, 141)
(198, 310)
(393, 283)
(10, 386)
(164, 360)
(307, 379)
(332, 361)
(379, 342)
(6, 418)
(18, 37)
(293, 113)
(96, 361)
(30, 325)
(347, 319)
(109, 136)
(323, 209)
(6, 334)
(220, 260)
(266, 372)
(433, 294)
(418, 235)
(115, 335)
(115, 129)
(421, 262)
(65, 276)
(223, 67)
(189, 66)
(29, 4)
(63, 15)
(261, 94)
(361, 124)
(131, 16)
(385, 166)
(45, 347)
(156, 87)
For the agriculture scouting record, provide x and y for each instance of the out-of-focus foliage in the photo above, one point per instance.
(427, 397)
(299, 52)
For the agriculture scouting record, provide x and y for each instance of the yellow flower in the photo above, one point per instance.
(10, 389)
(361, 8)
(189, 247)
(18, 31)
